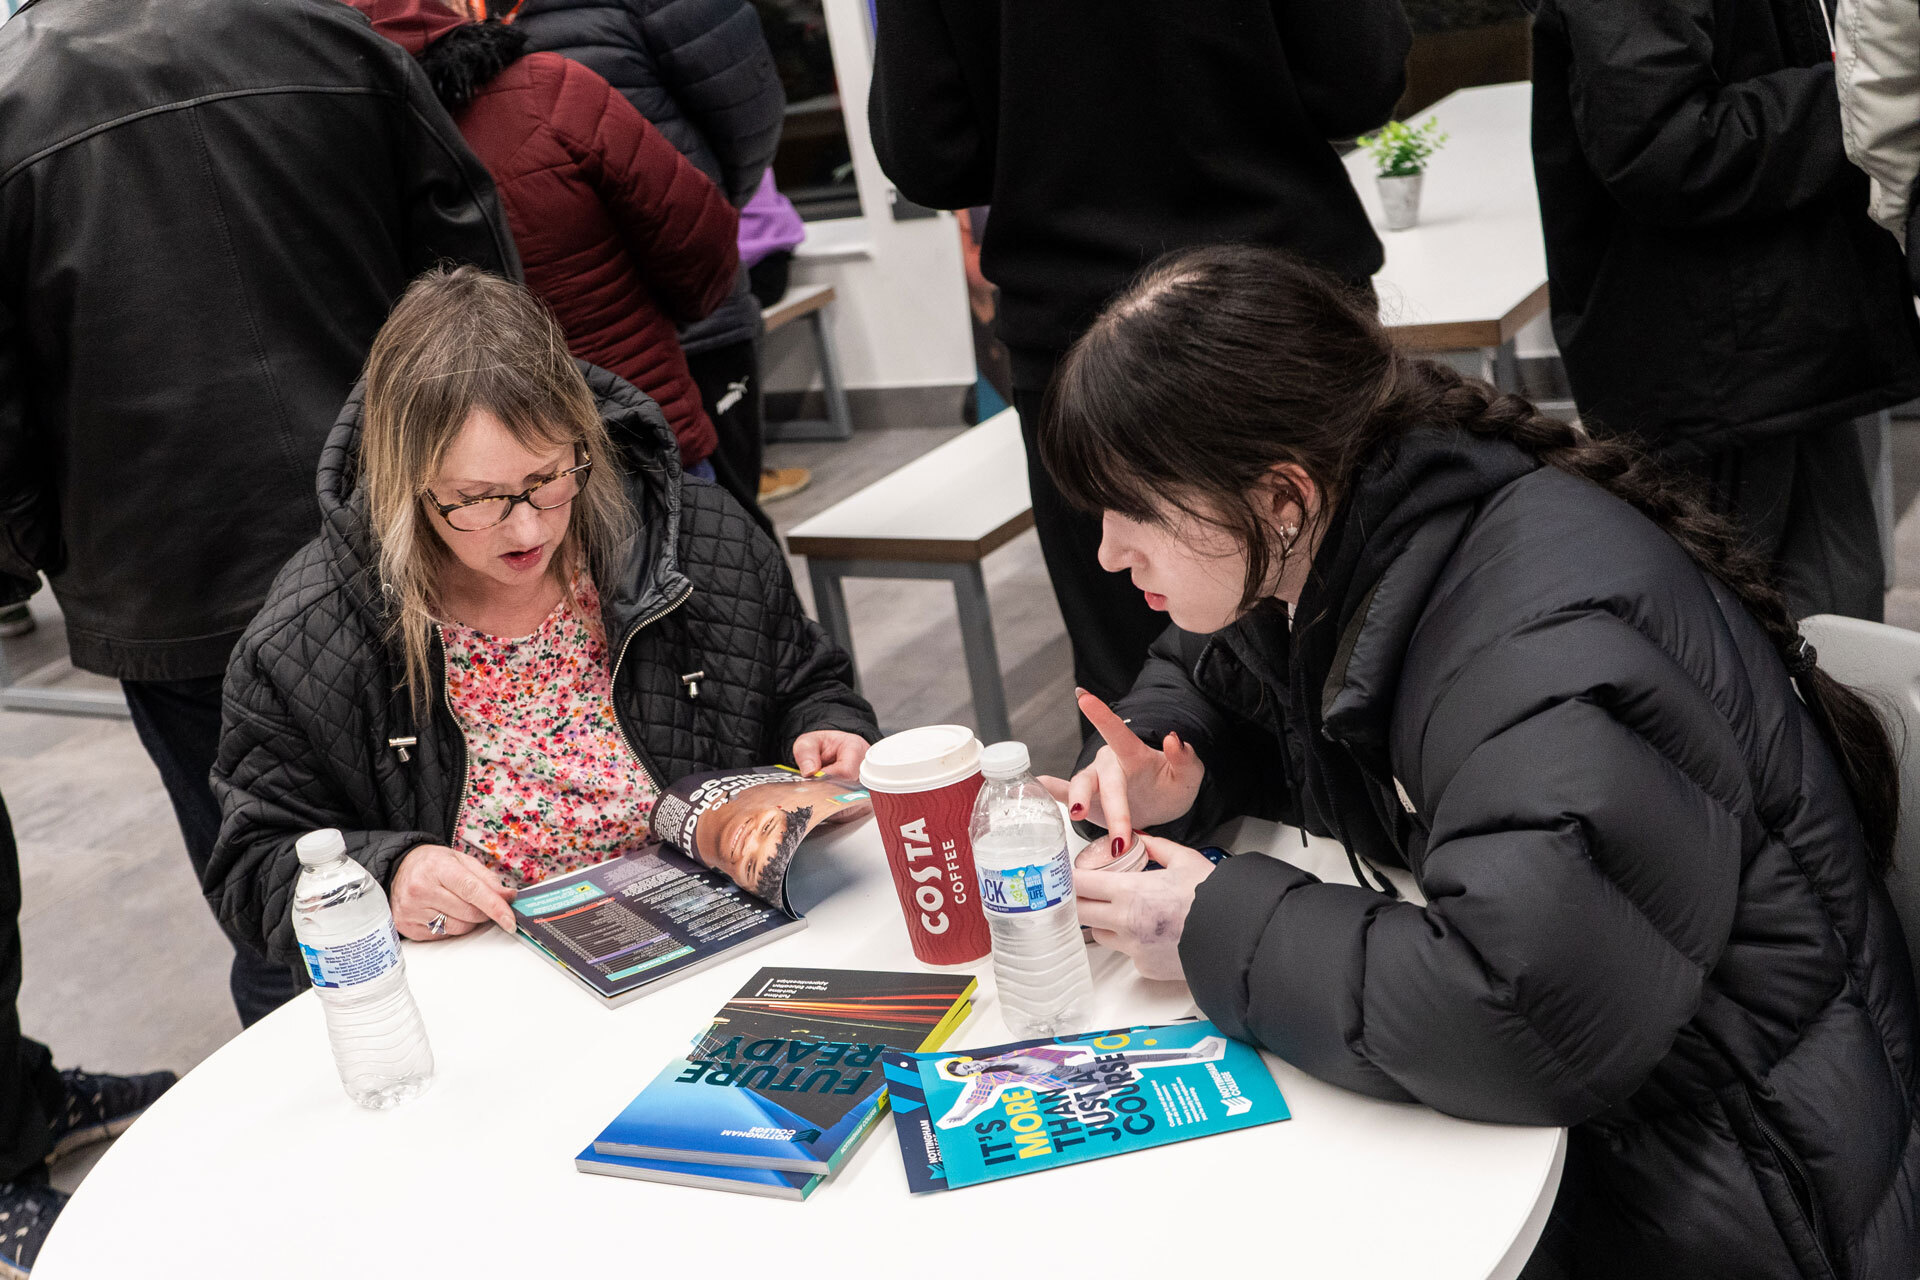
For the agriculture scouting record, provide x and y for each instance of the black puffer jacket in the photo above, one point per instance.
(701, 73)
(1650, 914)
(313, 696)
(1715, 277)
(206, 209)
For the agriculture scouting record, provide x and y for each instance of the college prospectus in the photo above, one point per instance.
(976, 1116)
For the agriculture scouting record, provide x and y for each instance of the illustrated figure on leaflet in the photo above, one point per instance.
(1049, 1068)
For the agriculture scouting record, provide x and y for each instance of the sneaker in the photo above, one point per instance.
(783, 483)
(101, 1107)
(27, 1211)
(16, 620)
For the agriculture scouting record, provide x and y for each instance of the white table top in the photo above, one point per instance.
(257, 1164)
(1474, 269)
(957, 502)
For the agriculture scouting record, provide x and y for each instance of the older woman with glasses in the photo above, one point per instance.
(516, 626)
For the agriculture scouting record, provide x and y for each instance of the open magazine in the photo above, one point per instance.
(713, 882)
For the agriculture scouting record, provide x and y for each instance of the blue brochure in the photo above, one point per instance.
(980, 1115)
(712, 1177)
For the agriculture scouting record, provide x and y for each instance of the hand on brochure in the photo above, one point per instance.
(830, 750)
(1129, 784)
(1144, 913)
(434, 880)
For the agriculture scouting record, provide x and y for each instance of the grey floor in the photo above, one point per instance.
(125, 970)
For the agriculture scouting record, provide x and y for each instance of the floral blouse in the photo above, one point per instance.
(551, 782)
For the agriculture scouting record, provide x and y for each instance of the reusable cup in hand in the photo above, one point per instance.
(923, 783)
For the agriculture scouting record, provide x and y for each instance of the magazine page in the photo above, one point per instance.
(979, 1115)
(637, 920)
(748, 823)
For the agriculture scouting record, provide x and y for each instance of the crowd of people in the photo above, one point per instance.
(379, 394)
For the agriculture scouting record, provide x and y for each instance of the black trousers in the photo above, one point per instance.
(730, 376)
(179, 724)
(1108, 622)
(1804, 501)
(31, 1092)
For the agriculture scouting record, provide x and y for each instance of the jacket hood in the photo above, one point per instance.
(1386, 543)
(411, 24)
(650, 462)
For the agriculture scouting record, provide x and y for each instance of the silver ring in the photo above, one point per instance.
(438, 925)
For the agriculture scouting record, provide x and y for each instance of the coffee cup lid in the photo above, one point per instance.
(921, 759)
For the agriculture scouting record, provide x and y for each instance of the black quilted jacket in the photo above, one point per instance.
(1650, 914)
(314, 699)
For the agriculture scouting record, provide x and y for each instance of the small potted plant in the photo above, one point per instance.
(1400, 153)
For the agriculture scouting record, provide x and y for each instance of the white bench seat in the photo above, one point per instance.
(937, 517)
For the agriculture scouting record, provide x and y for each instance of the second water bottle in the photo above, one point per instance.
(1026, 886)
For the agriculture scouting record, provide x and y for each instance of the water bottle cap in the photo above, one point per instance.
(317, 848)
(1005, 760)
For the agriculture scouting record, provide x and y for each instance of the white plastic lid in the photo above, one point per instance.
(1005, 760)
(937, 755)
(317, 848)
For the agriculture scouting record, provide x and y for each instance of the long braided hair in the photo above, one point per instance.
(1220, 363)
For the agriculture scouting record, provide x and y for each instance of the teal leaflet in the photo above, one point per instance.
(967, 1117)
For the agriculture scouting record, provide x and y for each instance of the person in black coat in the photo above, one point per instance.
(1104, 134)
(1529, 668)
(701, 73)
(486, 669)
(1719, 293)
(195, 252)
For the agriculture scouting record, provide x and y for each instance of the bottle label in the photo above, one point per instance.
(1021, 889)
(348, 964)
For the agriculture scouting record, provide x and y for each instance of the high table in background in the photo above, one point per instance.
(1473, 272)
(256, 1164)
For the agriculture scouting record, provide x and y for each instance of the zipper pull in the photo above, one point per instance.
(1406, 801)
(401, 744)
(692, 680)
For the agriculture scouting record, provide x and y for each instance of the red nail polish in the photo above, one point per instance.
(1077, 810)
(1119, 846)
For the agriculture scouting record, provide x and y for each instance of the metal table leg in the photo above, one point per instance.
(838, 415)
(983, 655)
(838, 424)
(73, 702)
(830, 605)
(976, 623)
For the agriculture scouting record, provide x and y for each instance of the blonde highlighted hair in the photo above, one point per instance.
(459, 340)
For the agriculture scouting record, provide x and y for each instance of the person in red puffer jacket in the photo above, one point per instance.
(619, 234)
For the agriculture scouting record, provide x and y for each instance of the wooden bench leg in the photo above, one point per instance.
(983, 655)
(830, 606)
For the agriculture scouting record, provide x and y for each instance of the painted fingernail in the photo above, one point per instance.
(1077, 810)
(1119, 846)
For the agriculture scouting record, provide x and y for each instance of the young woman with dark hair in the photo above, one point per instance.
(1534, 671)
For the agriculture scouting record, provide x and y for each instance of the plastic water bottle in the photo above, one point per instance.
(345, 927)
(1026, 886)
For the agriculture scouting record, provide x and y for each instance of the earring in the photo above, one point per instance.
(1288, 533)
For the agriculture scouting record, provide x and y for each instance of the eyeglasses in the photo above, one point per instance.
(484, 513)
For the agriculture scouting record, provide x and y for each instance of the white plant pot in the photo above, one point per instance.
(1400, 201)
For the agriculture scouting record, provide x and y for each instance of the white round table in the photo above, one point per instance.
(256, 1164)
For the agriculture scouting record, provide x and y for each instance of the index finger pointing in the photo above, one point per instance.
(1124, 741)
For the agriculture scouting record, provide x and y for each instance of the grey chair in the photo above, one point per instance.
(1884, 663)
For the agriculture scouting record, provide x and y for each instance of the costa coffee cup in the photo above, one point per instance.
(923, 783)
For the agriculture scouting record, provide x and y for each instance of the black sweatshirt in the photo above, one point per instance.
(1107, 132)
